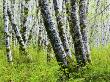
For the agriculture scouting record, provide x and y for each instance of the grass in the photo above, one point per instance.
(39, 70)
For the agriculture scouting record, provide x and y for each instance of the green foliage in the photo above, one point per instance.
(39, 70)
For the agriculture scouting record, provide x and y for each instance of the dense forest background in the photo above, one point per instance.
(54, 41)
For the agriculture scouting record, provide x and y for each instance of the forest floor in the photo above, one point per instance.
(41, 71)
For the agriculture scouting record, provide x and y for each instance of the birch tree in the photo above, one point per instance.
(23, 50)
(76, 35)
(6, 29)
(83, 26)
(24, 19)
(52, 33)
(61, 25)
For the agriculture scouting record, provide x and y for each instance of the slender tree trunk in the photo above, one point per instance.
(16, 30)
(76, 35)
(83, 26)
(41, 32)
(52, 33)
(68, 14)
(62, 26)
(7, 35)
(24, 15)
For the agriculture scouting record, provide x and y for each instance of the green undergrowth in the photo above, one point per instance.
(39, 70)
